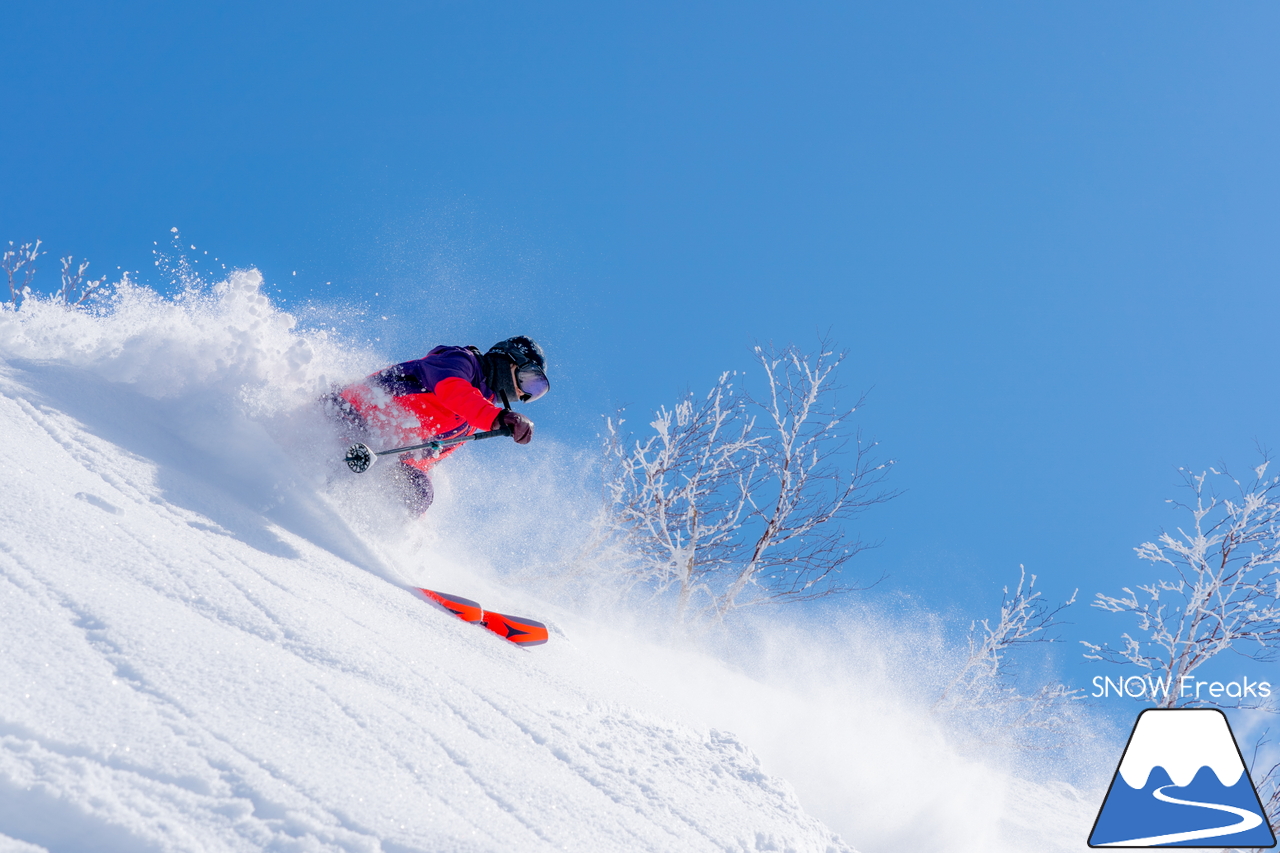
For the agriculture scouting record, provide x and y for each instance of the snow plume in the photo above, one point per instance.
(834, 698)
(207, 641)
(226, 339)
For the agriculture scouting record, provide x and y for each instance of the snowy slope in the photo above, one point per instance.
(208, 643)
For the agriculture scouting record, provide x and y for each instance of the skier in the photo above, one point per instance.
(449, 393)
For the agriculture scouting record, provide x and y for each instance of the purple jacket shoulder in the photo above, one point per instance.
(421, 375)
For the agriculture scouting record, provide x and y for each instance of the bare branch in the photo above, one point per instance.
(75, 282)
(732, 502)
(983, 689)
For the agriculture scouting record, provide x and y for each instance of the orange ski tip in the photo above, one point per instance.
(464, 608)
(522, 632)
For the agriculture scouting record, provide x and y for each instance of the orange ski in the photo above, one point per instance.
(522, 632)
(464, 608)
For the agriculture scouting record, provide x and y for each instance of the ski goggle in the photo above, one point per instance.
(532, 382)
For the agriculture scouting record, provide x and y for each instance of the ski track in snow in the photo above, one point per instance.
(201, 652)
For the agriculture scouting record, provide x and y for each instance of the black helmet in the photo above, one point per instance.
(531, 368)
(522, 351)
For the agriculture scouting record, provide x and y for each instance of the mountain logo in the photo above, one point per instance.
(1181, 783)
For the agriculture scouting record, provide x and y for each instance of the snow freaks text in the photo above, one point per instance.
(1188, 687)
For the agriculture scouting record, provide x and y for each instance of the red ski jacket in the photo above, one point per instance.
(442, 395)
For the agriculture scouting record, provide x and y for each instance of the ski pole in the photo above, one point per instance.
(361, 456)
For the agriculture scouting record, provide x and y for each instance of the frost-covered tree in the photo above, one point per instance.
(1219, 588)
(20, 264)
(734, 502)
(983, 694)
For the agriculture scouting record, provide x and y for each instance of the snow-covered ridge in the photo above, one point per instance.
(206, 643)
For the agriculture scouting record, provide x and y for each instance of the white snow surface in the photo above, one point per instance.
(208, 642)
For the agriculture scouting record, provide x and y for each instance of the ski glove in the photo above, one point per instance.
(520, 426)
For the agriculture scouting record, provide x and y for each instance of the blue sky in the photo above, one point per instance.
(1046, 232)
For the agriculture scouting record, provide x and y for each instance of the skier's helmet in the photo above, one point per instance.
(531, 365)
